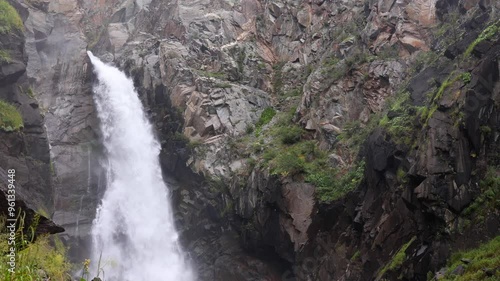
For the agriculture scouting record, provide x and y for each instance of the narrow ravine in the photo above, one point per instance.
(134, 237)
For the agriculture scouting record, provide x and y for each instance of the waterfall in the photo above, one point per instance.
(134, 236)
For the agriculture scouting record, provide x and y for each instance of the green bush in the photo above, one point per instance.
(483, 257)
(332, 184)
(290, 160)
(289, 134)
(10, 118)
(9, 18)
(288, 163)
(265, 117)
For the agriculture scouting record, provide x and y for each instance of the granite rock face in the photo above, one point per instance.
(24, 153)
(206, 70)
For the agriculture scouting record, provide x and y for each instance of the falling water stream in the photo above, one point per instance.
(134, 236)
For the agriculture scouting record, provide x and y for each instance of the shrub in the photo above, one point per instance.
(332, 184)
(265, 117)
(288, 163)
(9, 18)
(10, 118)
(289, 134)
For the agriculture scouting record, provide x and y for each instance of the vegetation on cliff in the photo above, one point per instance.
(10, 118)
(481, 263)
(9, 18)
(34, 259)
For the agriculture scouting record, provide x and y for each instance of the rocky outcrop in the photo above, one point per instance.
(24, 151)
(204, 64)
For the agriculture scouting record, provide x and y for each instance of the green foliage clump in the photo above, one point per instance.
(398, 259)
(466, 77)
(288, 162)
(483, 257)
(9, 18)
(401, 126)
(4, 56)
(265, 117)
(34, 260)
(332, 184)
(10, 118)
(488, 33)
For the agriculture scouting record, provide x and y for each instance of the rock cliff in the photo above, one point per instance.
(24, 149)
(303, 140)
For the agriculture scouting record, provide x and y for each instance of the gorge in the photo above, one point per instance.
(298, 140)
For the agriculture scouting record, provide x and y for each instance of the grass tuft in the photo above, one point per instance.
(398, 259)
(10, 118)
(484, 257)
(9, 18)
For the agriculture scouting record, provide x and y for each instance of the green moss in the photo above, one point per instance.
(356, 256)
(288, 162)
(398, 259)
(488, 33)
(9, 18)
(10, 118)
(4, 56)
(265, 117)
(483, 257)
(427, 113)
(466, 77)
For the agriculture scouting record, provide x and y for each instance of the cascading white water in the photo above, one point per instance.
(133, 234)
